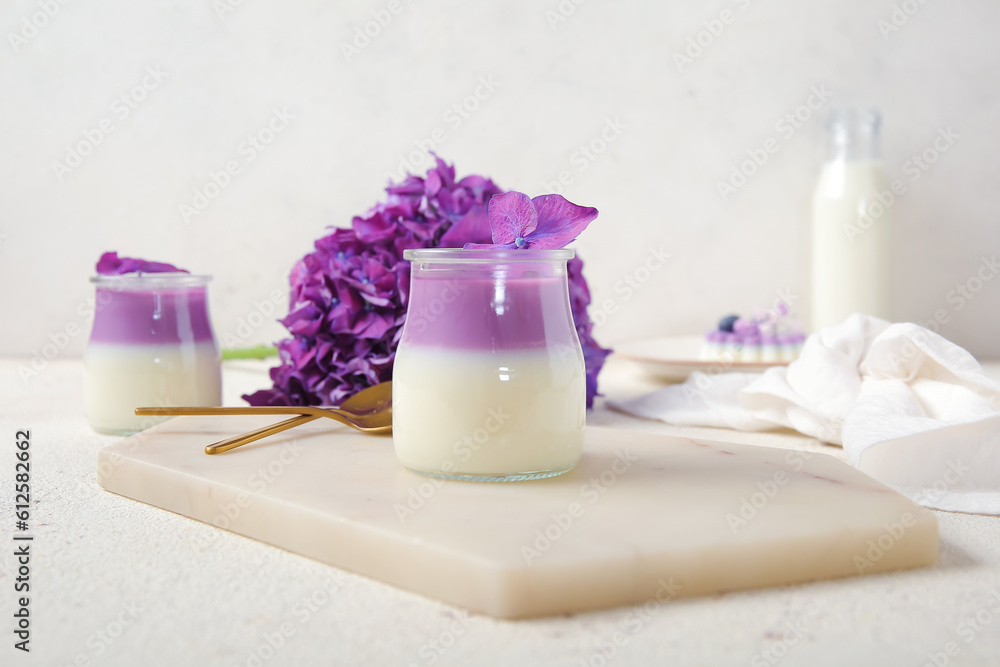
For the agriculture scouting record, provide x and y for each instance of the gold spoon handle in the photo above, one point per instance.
(251, 436)
(248, 410)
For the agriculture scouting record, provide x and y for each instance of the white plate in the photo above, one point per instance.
(675, 357)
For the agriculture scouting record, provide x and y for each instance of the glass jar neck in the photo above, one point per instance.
(853, 134)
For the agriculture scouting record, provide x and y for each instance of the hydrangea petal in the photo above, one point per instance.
(559, 221)
(110, 264)
(445, 171)
(374, 229)
(433, 183)
(473, 227)
(512, 216)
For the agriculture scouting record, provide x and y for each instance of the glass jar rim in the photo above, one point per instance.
(487, 256)
(140, 281)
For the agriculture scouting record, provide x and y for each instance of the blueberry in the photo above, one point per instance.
(727, 322)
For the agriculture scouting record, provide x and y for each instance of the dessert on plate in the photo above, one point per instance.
(770, 336)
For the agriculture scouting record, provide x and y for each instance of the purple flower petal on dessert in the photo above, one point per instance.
(512, 217)
(110, 264)
(559, 221)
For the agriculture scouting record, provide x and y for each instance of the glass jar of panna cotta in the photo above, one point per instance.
(151, 345)
(489, 382)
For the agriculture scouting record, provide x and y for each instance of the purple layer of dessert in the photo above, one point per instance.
(151, 317)
(488, 314)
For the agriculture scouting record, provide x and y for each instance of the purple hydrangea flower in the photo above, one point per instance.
(110, 264)
(349, 295)
(579, 299)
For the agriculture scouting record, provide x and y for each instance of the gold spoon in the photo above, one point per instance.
(369, 411)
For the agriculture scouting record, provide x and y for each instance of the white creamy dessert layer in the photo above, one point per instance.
(488, 414)
(763, 353)
(122, 377)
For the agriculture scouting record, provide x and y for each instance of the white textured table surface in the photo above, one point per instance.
(116, 582)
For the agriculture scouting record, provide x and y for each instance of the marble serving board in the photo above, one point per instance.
(643, 517)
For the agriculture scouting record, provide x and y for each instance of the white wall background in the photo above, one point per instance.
(226, 67)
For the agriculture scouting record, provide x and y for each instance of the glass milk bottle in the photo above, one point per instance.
(851, 222)
(489, 381)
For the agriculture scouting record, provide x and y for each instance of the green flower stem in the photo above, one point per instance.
(258, 352)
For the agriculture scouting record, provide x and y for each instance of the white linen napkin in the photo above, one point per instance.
(911, 409)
